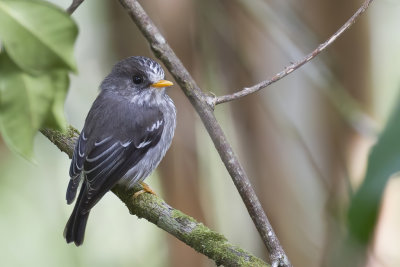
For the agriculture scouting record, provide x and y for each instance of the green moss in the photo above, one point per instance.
(212, 244)
(71, 132)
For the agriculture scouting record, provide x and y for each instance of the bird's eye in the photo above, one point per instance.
(137, 79)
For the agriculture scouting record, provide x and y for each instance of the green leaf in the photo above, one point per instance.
(383, 161)
(25, 103)
(37, 35)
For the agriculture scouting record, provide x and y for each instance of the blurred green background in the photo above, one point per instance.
(303, 141)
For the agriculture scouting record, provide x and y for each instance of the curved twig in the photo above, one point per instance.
(155, 210)
(292, 67)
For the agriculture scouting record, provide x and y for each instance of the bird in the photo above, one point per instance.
(127, 132)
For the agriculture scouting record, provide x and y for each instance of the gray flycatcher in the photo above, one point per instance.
(127, 132)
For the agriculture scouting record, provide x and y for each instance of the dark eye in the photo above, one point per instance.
(137, 79)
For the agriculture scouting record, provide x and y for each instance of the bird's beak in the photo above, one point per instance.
(161, 84)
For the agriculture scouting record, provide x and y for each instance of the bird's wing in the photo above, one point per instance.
(76, 167)
(112, 156)
(78, 156)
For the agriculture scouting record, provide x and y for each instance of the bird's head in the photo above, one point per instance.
(134, 75)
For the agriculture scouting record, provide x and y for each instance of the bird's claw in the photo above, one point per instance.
(146, 189)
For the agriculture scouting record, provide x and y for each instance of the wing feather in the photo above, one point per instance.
(76, 167)
(107, 149)
(78, 156)
(109, 160)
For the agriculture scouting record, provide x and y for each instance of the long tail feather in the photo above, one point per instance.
(74, 231)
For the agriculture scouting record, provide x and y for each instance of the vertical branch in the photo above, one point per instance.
(164, 52)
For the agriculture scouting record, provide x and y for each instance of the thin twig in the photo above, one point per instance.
(292, 67)
(155, 210)
(164, 52)
(74, 5)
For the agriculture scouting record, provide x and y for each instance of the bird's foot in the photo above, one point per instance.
(146, 189)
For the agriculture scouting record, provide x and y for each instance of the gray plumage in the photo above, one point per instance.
(127, 132)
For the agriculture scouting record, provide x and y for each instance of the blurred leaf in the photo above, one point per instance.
(383, 161)
(37, 35)
(26, 102)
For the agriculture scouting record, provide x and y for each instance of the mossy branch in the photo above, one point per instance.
(154, 209)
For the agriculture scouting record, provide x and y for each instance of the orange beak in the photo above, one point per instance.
(161, 84)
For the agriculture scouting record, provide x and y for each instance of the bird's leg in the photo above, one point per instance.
(146, 189)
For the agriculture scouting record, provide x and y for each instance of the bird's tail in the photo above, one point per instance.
(74, 231)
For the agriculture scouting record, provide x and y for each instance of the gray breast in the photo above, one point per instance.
(145, 167)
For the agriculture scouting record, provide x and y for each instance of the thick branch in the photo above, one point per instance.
(164, 52)
(155, 210)
(292, 67)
